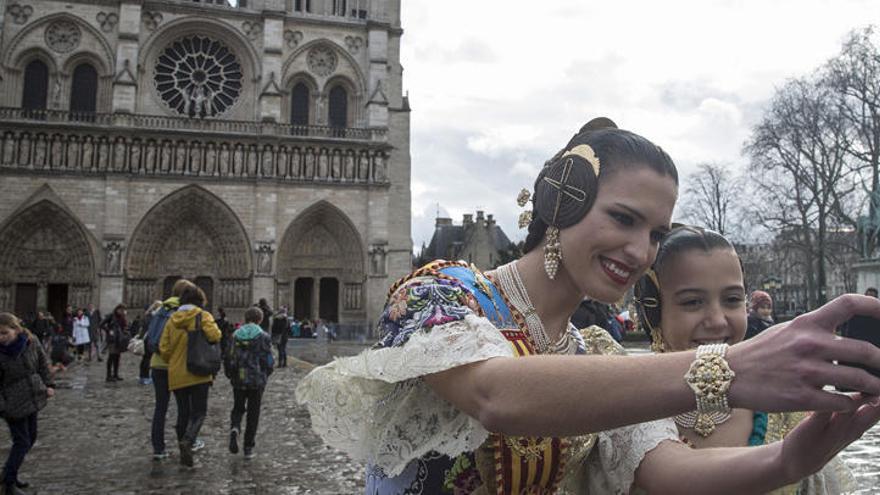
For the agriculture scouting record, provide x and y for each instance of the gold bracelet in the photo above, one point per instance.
(710, 377)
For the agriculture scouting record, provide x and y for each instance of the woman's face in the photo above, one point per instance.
(703, 300)
(7, 334)
(612, 246)
(79, 313)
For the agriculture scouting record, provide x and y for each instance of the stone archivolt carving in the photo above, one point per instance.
(351, 296)
(20, 13)
(322, 60)
(107, 21)
(354, 43)
(43, 243)
(94, 154)
(320, 239)
(151, 20)
(63, 36)
(197, 76)
(292, 38)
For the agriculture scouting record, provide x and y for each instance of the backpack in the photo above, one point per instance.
(250, 363)
(154, 330)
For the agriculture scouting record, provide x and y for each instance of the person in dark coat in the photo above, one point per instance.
(115, 328)
(248, 366)
(280, 335)
(41, 329)
(26, 387)
(67, 320)
(267, 314)
(760, 313)
(95, 334)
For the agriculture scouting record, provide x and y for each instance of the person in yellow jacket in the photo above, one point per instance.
(190, 391)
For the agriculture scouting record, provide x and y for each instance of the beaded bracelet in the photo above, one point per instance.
(709, 376)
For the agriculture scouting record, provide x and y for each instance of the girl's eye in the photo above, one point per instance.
(735, 300)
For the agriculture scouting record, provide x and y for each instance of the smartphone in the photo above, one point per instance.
(862, 328)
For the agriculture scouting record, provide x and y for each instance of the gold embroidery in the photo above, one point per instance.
(528, 448)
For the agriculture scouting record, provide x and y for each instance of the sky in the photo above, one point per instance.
(498, 86)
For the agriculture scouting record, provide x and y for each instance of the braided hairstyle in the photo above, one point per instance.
(681, 239)
(615, 148)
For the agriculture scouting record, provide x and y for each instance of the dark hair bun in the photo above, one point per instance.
(596, 124)
(570, 182)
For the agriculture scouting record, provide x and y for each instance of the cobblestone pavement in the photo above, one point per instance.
(94, 438)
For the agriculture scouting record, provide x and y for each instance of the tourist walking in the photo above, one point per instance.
(226, 330)
(116, 336)
(190, 390)
(95, 334)
(26, 386)
(159, 367)
(144, 377)
(81, 334)
(248, 366)
(67, 320)
(41, 329)
(280, 335)
(59, 348)
(267, 314)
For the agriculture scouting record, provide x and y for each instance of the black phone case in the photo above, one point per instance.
(862, 328)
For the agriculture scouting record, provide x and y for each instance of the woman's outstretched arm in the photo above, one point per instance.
(784, 369)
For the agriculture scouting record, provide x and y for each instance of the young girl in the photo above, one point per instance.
(81, 334)
(26, 385)
(695, 295)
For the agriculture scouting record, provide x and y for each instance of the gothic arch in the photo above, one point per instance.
(88, 57)
(222, 31)
(190, 233)
(323, 248)
(43, 243)
(295, 63)
(14, 55)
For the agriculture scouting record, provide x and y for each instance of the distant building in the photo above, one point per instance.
(479, 241)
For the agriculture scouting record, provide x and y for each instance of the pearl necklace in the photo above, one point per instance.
(513, 286)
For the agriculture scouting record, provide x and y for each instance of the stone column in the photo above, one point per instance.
(127, 52)
(316, 298)
(42, 297)
(273, 37)
(377, 100)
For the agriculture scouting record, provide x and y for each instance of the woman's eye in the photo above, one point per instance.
(690, 303)
(735, 300)
(623, 218)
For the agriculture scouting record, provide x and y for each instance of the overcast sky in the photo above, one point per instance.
(498, 86)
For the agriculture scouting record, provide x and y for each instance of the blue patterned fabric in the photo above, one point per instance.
(759, 429)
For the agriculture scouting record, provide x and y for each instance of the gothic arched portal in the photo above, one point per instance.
(46, 261)
(321, 266)
(194, 234)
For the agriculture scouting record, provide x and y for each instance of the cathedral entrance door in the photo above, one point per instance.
(25, 299)
(329, 300)
(302, 298)
(57, 300)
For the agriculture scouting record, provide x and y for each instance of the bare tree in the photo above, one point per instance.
(854, 76)
(799, 151)
(712, 197)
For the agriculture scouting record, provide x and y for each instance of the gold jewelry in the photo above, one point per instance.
(525, 218)
(523, 197)
(512, 285)
(709, 376)
(552, 252)
(586, 152)
(528, 448)
(657, 344)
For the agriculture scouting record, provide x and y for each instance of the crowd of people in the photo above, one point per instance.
(40, 347)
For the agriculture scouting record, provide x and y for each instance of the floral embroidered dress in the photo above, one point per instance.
(376, 407)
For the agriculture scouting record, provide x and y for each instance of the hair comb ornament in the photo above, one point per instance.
(525, 218)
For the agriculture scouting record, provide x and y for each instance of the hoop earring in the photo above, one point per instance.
(552, 252)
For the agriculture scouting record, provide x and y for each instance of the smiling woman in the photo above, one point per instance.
(481, 384)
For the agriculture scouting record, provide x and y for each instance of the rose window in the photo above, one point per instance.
(63, 36)
(198, 77)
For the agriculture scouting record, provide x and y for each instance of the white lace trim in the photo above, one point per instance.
(374, 407)
(611, 467)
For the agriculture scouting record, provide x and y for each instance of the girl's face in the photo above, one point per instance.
(703, 300)
(611, 247)
(765, 311)
(79, 313)
(7, 334)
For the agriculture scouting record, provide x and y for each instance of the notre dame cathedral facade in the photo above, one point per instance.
(258, 147)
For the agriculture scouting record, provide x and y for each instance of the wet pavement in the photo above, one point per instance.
(94, 438)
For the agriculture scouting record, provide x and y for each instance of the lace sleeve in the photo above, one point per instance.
(611, 467)
(375, 406)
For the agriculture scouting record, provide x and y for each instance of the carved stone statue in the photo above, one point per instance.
(264, 257)
(113, 257)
